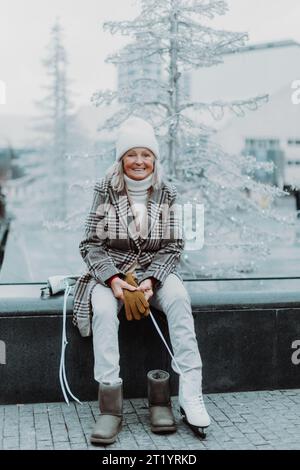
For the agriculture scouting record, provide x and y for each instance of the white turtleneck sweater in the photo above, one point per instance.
(137, 191)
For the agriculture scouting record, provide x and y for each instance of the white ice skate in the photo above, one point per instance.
(192, 408)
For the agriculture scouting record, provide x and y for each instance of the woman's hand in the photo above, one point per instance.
(146, 287)
(117, 285)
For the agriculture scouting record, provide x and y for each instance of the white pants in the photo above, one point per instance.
(174, 300)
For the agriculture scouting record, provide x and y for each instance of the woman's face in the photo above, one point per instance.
(138, 163)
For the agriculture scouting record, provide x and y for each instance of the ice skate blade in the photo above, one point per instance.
(197, 430)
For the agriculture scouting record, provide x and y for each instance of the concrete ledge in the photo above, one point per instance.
(245, 340)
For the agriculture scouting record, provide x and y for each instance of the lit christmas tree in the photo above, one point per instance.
(177, 33)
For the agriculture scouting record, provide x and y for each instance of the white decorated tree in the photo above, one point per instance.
(42, 228)
(177, 35)
(54, 125)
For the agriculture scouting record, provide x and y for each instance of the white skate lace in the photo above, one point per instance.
(165, 343)
(196, 401)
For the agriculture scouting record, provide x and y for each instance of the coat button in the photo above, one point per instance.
(106, 227)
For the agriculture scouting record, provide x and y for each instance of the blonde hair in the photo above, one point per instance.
(116, 173)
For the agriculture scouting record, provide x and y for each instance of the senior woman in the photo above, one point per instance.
(128, 253)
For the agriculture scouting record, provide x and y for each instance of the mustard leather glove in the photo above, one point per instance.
(136, 306)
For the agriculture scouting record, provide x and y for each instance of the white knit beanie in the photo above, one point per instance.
(135, 132)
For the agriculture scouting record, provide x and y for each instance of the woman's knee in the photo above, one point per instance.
(104, 303)
(177, 303)
(175, 291)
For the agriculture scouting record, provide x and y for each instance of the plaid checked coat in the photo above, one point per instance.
(112, 244)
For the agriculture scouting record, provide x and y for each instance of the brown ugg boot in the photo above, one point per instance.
(109, 422)
(161, 415)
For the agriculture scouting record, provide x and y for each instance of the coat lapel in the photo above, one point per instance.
(153, 209)
(123, 209)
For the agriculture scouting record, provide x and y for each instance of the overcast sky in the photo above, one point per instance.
(25, 26)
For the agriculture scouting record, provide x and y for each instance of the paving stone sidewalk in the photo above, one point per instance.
(247, 420)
